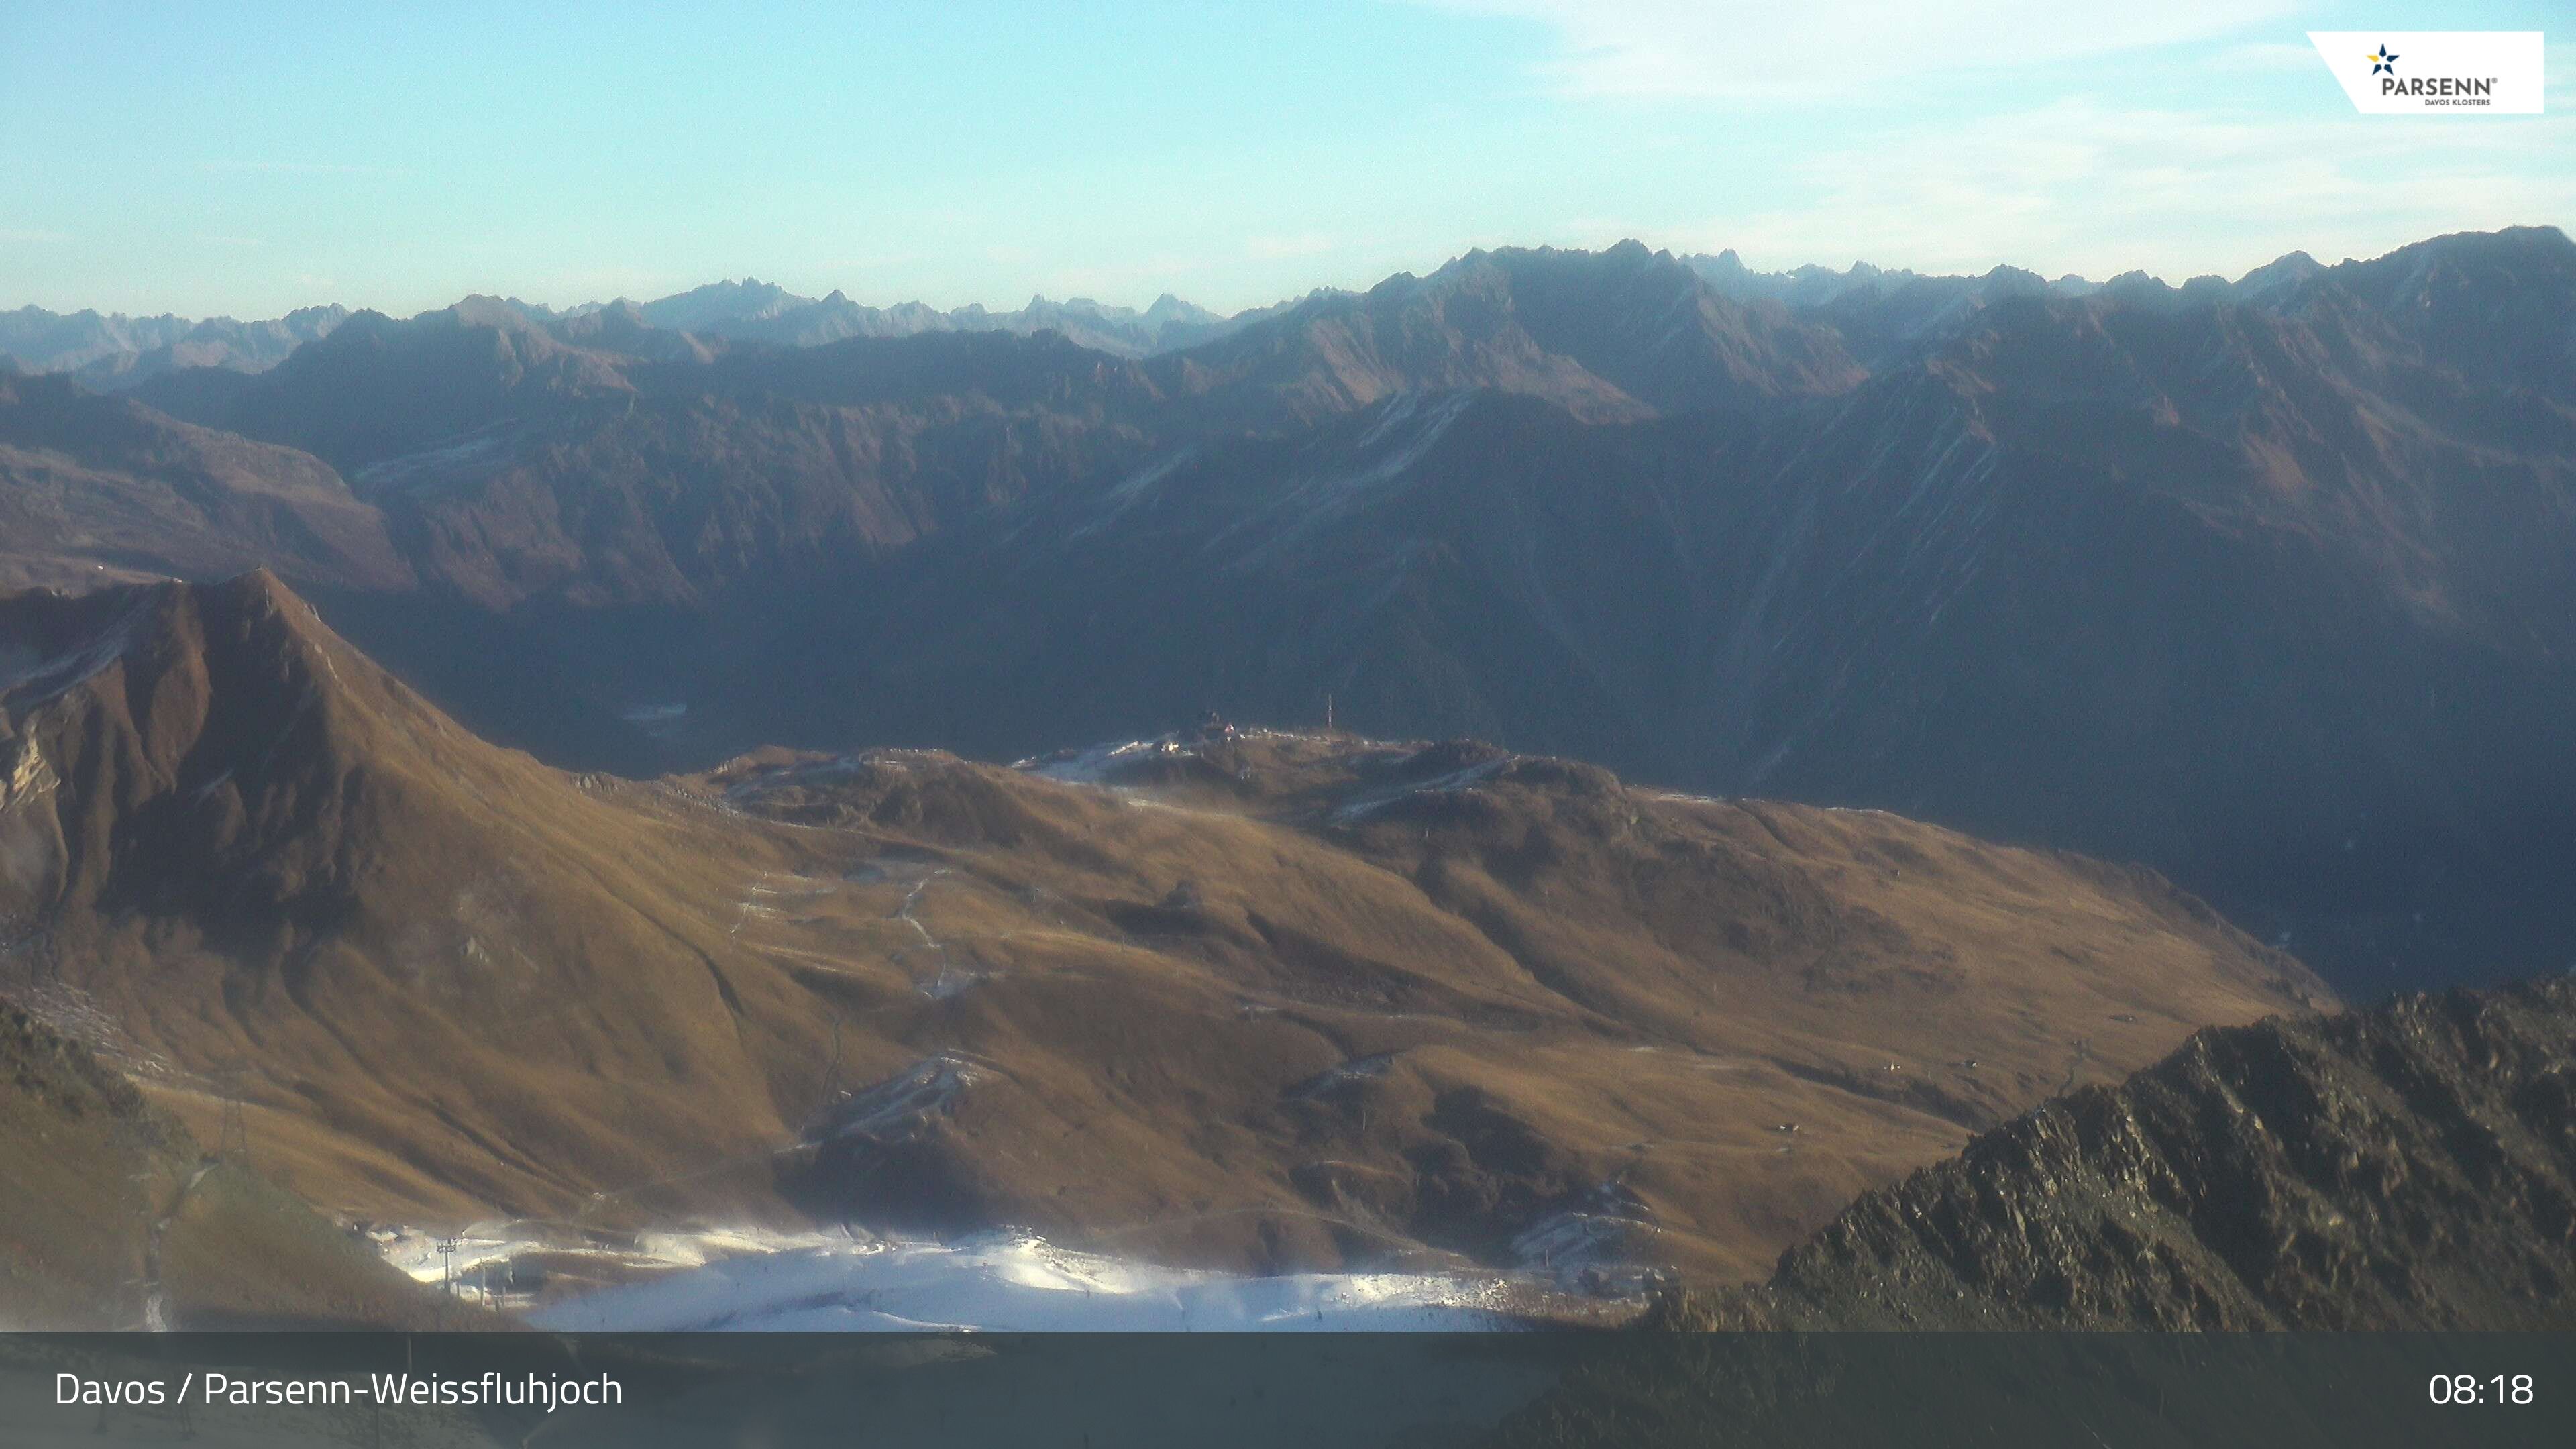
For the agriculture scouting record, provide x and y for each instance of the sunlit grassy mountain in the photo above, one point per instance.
(1254, 1001)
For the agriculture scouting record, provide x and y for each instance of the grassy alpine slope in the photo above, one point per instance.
(1268, 1001)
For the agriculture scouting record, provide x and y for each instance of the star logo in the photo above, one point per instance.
(2382, 60)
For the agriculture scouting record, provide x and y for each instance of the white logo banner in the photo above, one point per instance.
(2443, 72)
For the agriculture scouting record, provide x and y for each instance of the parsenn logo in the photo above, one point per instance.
(2448, 72)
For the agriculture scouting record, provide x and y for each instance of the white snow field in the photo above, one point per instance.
(1012, 1282)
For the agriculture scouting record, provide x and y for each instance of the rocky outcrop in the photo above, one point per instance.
(2408, 1167)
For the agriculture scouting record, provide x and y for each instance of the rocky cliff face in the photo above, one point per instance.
(2408, 1167)
(2407, 1171)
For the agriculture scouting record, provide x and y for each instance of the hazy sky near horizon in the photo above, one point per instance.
(254, 157)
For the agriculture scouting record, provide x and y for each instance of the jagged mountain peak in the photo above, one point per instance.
(1619, 334)
(480, 310)
(204, 743)
(2004, 280)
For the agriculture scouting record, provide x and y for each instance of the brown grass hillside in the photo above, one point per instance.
(106, 1204)
(1259, 1001)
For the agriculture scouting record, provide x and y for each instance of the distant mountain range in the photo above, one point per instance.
(760, 312)
(118, 351)
(2260, 582)
(112, 350)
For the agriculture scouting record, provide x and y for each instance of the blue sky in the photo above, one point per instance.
(247, 158)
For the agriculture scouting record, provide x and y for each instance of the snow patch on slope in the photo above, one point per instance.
(1333, 1079)
(1012, 1282)
(1400, 437)
(1454, 782)
(1594, 1246)
(1132, 490)
(1094, 765)
(900, 1107)
(484, 448)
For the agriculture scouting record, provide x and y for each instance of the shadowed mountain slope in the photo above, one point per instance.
(378, 388)
(96, 489)
(1613, 335)
(600, 465)
(2269, 595)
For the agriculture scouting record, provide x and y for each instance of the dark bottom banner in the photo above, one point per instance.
(1248, 1391)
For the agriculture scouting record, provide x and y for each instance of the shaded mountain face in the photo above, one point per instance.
(377, 388)
(600, 462)
(1467, 563)
(2259, 582)
(1258, 1001)
(96, 489)
(2270, 596)
(2283, 600)
(1608, 336)
(2408, 1167)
